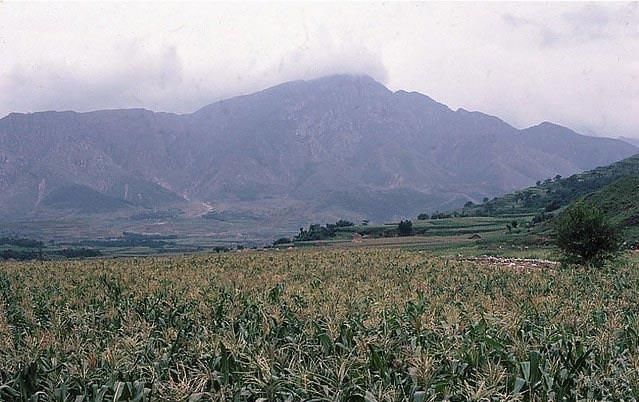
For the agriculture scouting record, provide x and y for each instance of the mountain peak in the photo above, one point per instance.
(355, 78)
(549, 124)
(336, 85)
(549, 128)
(345, 82)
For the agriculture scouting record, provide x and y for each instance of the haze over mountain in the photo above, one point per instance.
(339, 146)
(633, 141)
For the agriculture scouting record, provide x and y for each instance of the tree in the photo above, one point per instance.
(552, 206)
(423, 217)
(405, 228)
(584, 235)
(514, 224)
(282, 240)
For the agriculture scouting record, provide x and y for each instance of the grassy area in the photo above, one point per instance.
(447, 236)
(455, 236)
(619, 201)
(553, 194)
(369, 324)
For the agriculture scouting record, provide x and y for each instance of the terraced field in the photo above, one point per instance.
(455, 236)
(317, 324)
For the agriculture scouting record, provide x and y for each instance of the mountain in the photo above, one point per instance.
(607, 186)
(339, 146)
(633, 141)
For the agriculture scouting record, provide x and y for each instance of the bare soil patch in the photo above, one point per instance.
(514, 263)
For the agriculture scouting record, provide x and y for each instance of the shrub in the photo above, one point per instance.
(584, 235)
(80, 252)
(423, 217)
(25, 243)
(282, 240)
(405, 228)
(541, 217)
(553, 206)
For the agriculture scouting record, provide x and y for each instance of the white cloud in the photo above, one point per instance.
(573, 63)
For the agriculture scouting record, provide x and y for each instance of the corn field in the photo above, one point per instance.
(321, 325)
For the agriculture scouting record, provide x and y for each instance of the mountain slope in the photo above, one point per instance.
(616, 178)
(633, 141)
(340, 146)
(619, 201)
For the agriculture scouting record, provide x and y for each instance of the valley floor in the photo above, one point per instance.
(454, 236)
(369, 324)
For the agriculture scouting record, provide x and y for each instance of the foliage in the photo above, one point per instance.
(423, 217)
(583, 233)
(79, 252)
(21, 242)
(554, 194)
(20, 255)
(553, 206)
(315, 232)
(440, 215)
(405, 228)
(282, 240)
(542, 217)
(319, 232)
(129, 239)
(619, 202)
(359, 325)
(40, 254)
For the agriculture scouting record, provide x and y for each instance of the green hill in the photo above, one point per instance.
(553, 194)
(620, 202)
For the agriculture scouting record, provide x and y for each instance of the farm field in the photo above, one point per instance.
(455, 236)
(447, 236)
(370, 324)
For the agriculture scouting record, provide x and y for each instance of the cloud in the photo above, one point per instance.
(135, 80)
(517, 21)
(581, 23)
(322, 55)
(572, 63)
(179, 72)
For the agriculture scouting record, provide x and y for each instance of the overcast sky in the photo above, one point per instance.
(575, 64)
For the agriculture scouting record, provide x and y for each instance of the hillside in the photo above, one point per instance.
(619, 201)
(552, 194)
(336, 147)
(633, 141)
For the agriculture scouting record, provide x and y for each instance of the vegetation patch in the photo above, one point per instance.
(361, 325)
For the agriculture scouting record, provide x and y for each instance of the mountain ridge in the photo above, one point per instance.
(331, 147)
